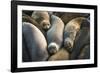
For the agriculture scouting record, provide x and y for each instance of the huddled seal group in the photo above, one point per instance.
(52, 36)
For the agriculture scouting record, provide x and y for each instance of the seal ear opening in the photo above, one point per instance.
(52, 48)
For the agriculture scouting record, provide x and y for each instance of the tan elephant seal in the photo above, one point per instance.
(70, 31)
(43, 18)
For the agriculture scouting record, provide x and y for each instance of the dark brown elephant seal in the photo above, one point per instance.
(55, 34)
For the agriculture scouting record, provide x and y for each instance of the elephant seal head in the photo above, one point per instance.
(68, 43)
(53, 48)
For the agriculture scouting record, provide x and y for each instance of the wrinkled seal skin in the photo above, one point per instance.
(42, 17)
(35, 42)
(85, 53)
(55, 34)
(62, 54)
(70, 31)
(66, 16)
(82, 39)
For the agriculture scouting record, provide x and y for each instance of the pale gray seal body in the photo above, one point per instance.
(70, 31)
(55, 34)
(42, 17)
(35, 42)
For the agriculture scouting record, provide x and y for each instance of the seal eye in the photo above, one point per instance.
(43, 24)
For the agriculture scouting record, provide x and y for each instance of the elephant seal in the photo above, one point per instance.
(70, 31)
(82, 39)
(42, 17)
(35, 42)
(62, 54)
(55, 34)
